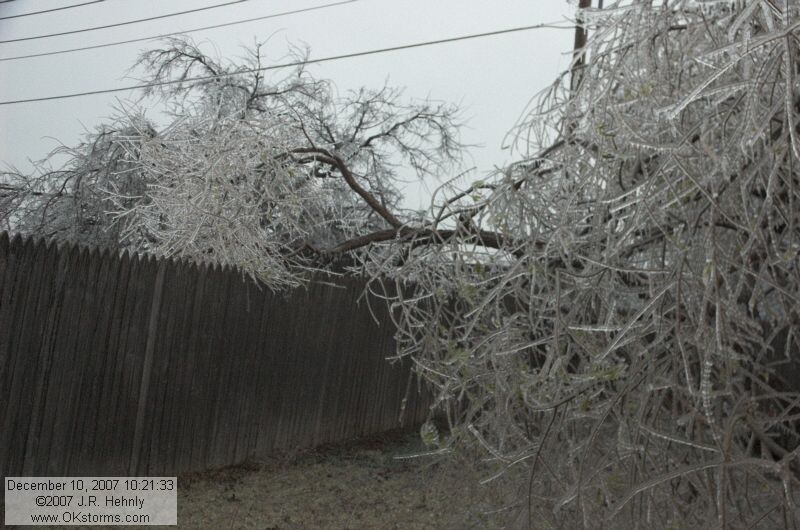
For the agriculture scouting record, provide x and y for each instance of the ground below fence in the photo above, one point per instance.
(116, 364)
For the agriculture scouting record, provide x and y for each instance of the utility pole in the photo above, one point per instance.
(578, 57)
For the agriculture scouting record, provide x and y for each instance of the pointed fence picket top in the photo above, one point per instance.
(116, 363)
(17, 241)
(4, 260)
(4, 242)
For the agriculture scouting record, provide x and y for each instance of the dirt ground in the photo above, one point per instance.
(358, 485)
(365, 484)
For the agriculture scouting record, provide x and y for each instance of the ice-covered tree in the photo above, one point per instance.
(625, 346)
(273, 171)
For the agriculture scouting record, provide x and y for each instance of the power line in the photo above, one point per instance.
(71, 32)
(215, 26)
(287, 65)
(51, 10)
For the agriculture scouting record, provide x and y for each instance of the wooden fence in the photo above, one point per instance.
(112, 364)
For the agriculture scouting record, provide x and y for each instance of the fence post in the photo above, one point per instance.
(152, 328)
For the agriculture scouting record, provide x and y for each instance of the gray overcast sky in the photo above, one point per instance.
(493, 78)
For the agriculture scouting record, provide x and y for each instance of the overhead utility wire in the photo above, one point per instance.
(117, 24)
(215, 26)
(51, 10)
(288, 65)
